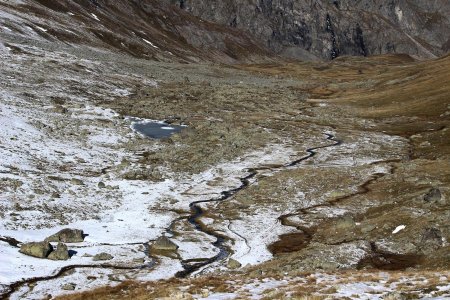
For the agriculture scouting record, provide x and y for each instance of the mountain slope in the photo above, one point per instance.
(143, 29)
(327, 29)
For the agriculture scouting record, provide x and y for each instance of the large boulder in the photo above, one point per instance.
(165, 247)
(233, 264)
(165, 244)
(67, 236)
(36, 249)
(61, 252)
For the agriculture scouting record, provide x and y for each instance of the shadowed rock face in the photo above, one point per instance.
(327, 29)
(232, 31)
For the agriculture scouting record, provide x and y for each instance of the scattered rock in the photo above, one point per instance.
(61, 252)
(69, 286)
(366, 228)
(233, 264)
(433, 195)
(179, 296)
(431, 240)
(164, 243)
(395, 296)
(101, 185)
(139, 260)
(76, 181)
(59, 109)
(36, 249)
(67, 235)
(205, 293)
(102, 256)
(345, 222)
(57, 100)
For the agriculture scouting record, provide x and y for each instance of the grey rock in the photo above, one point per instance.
(165, 244)
(101, 185)
(67, 235)
(233, 264)
(366, 228)
(76, 181)
(61, 252)
(59, 109)
(394, 296)
(345, 222)
(69, 286)
(431, 240)
(433, 195)
(102, 256)
(37, 249)
(327, 29)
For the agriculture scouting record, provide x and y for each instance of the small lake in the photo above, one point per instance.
(155, 129)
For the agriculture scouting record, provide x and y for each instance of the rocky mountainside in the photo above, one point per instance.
(144, 154)
(330, 28)
(143, 29)
(235, 30)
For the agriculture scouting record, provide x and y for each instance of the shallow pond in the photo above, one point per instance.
(155, 129)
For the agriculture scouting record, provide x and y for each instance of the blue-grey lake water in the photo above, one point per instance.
(156, 130)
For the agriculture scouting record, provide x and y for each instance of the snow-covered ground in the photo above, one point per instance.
(345, 285)
(62, 165)
(63, 161)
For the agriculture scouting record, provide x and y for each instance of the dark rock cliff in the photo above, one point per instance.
(328, 28)
(230, 31)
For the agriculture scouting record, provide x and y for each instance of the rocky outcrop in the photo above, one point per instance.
(36, 249)
(248, 31)
(145, 29)
(327, 29)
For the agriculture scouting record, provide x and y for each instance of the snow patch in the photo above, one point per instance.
(399, 13)
(150, 43)
(398, 229)
(95, 17)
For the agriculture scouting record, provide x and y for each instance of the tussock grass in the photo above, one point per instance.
(380, 86)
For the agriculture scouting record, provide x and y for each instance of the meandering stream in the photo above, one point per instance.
(197, 212)
(192, 265)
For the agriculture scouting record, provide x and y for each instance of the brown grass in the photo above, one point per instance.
(300, 287)
(381, 86)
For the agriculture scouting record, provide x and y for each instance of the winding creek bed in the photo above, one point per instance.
(192, 265)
